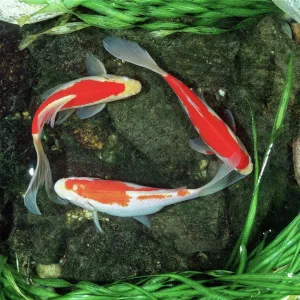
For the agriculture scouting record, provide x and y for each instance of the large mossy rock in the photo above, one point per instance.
(144, 139)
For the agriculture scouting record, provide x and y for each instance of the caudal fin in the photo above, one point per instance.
(131, 52)
(38, 178)
(226, 176)
(42, 175)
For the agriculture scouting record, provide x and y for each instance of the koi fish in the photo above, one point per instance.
(215, 137)
(87, 96)
(125, 199)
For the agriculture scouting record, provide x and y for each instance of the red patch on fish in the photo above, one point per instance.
(208, 123)
(87, 92)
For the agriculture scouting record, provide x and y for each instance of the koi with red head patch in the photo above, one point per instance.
(215, 136)
(125, 199)
(87, 96)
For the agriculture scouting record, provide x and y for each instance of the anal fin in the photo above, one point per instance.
(144, 220)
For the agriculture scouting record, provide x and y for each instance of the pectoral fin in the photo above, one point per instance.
(229, 120)
(144, 220)
(89, 111)
(201, 96)
(96, 221)
(200, 146)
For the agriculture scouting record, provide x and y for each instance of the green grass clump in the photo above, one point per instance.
(270, 271)
(161, 17)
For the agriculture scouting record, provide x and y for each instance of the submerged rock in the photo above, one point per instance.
(12, 10)
(144, 140)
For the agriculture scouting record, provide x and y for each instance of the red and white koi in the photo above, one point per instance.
(125, 199)
(88, 96)
(215, 136)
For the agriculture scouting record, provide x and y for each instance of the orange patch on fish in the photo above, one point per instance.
(153, 197)
(103, 191)
(92, 189)
(182, 193)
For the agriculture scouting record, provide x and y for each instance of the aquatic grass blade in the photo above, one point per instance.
(142, 291)
(234, 257)
(41, 292)
(103, 22)
(93, 288)
(48, 9)
(195, 285)
(12, 283)
(105, 8)
(257, 250)
(53, 282)
(285, 98)
(57, 30)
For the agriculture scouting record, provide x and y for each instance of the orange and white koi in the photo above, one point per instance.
(214, 135)
(125, 199)
(88, 96)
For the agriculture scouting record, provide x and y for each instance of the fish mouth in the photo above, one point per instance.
(248, 170)
(138, 86)
(133, 87)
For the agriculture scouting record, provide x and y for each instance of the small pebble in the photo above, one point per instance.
(48, 271)
(296, 32)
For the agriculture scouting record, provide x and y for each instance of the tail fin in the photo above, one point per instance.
(42, 174)
(131, 52)
(38, 178)
(225, 177)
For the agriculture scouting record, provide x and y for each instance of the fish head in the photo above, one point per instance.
(67, 192)
(132, 86)
(245, 157)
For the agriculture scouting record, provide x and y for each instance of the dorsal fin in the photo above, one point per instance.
(94, 66)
